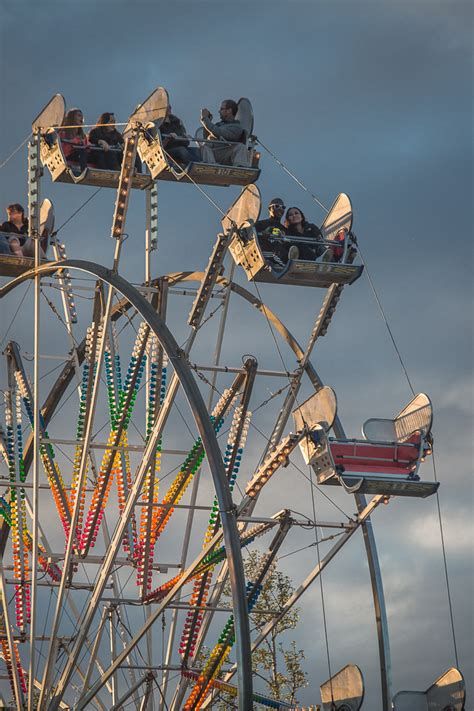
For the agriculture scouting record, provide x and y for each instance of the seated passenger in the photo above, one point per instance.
(105, 136)
(297, 226)
(73, 139)
(229, 131)
(17, 228)
(5, 245)
(175, 140)
(271, 229)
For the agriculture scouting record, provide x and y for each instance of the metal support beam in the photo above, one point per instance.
(317, 570)
(117, 233)
(119, 704)
(11, 644)
(34, 172)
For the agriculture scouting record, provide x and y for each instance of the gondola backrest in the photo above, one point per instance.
(338, 218)
(417, 416)
(245, 116)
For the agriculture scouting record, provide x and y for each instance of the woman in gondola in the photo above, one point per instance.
(73, 139)
(106, 143)
(296, 225)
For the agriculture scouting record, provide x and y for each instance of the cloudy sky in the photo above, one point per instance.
(370, 98)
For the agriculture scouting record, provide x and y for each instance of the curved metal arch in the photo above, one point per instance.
(201, 416)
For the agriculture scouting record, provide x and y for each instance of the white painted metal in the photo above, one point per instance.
(34, 224)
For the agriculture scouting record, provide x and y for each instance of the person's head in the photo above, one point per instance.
(276, 208)
(294, 218)
(228, 110)
(74, 117)
(16, 213)
(107, 120)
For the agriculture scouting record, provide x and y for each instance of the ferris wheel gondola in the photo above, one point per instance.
(260, 266)
(11, 265)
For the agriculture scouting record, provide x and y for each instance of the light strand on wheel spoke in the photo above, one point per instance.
(210, 561)
(47, 455)
(17, 507)
(93, 338)
(192, 463)
(150, 497)
(5, 655)
(227, 638)
(112, 460)
(59, 251)
(274, 460)
(232, 460)
(219, 654)
(233, 691)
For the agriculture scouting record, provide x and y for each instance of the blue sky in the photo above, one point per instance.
(370, 98)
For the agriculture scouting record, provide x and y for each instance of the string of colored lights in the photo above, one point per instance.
(192, 463)
(49, 567)
(17, 514)
(233, 691)
(47, 454)
(113, 374)
(202, 583)
(210, 561)
(5, 654)
(111, 461)
(151, 488)
(219, 654)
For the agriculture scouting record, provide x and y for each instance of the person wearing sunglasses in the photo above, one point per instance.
(225, 141)
(270, 230)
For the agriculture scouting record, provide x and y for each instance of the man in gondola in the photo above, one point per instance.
(229, 132)
(271, 230)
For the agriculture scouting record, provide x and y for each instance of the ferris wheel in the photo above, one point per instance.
(138, 455)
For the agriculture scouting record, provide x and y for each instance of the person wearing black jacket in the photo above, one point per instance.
(271, 229)
(296, 225)
(17, 227)
(175, 140)
(107, 143)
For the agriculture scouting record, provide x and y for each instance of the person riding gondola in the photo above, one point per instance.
(296, 225)
(73, 139)
(16, 227)
(107, 143)
(271, 230)
(176, 141)
(230, 132)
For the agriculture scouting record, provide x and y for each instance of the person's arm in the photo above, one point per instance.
(229, 132)
(181, 136)
(94, 137)
(313, 231)
(226, 132)
(14, 244)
